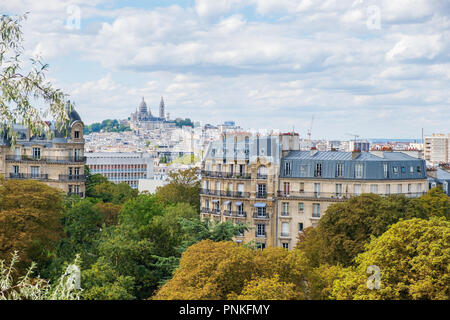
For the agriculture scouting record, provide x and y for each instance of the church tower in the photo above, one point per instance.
(161, 109)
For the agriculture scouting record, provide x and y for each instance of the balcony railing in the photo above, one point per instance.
(261, 176)
(235, 214)
(232, 194)
(338, 196)
(21, 158)
(258, 215)
(225, 175)
(215, 212)
(205, 210)
(28, 176)
(79, 177)
(261, 195)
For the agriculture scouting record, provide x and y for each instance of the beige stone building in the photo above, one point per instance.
(279, 191)
(437, 148)
(58, 161)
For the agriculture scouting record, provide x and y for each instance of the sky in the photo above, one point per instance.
(377, 69)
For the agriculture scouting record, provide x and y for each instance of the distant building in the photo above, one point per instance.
(362, 146)
(143, 118)
(440, 177)
(57, 161)
(118, 167)
(437, 148)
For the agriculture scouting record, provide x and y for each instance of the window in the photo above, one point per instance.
(287, 168)
(358, 170)
(76, 134)
(262, 192)
(403, 170)
(399, 188)
(300, 227)
(35, 172)
(339, 170)
(301, 207)
(303, 169)
(16, 170)
(317, 189)
(357, 189)
(411, 169)
(240, 210)
(285, 211)
(374, 188)
(240, 189)
(409, 188)
(338, 189)
(388, 189)
(207, 204)
(285, 245)
(241, 169)
(419, 169)
(419, 187)
(285, 229)
(286, 188)
(37, 153)
(316, 210)
(318, 170)
(261, 246)
(302, 187)
(385, 169)
(260, 230)
(77, 153)
(261, 212)
(395, 169)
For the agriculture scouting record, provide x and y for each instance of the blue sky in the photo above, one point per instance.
(379, 69)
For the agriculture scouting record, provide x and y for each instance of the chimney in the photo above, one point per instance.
(355, 154)
(313, 151)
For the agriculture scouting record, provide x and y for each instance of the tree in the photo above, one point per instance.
(184, 186)
(30, 214)
(109, 213)
(103, 282)
(436, 203)
(209, 270)
(138, 212)
(22, 93)
(266, 289)
(93, 180)
(114, 193)
(346, 227)
(414, 259)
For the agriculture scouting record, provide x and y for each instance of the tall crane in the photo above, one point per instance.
(309, 132)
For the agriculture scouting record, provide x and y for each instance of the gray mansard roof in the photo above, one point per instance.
(400, 166)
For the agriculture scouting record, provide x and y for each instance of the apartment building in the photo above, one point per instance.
(437, 148)
(310, 181)
(239, 182)
(119, 167)
(278, 190)
(57, 161)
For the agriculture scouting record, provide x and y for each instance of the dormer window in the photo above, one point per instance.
(76, 134)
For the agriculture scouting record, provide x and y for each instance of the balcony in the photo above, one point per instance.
(260, 216)
(285, 235)
(235, 214)
(231, 194)
(261, 176)
(215, 212)
(225, 175)
(337, 196)
(261, 195)
(79, 177)
(25, 158)
(28, 176)
(205, 210)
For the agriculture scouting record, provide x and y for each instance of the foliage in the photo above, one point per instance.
(183, 186)
(414, 259)
(436, 203)
(30, 213)
(266, 289)
(114, 193)
(346, 227)
(107, 126)
(29, 288)
(109, 213)
(185, 122)
(103, 282)
(22, 94)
